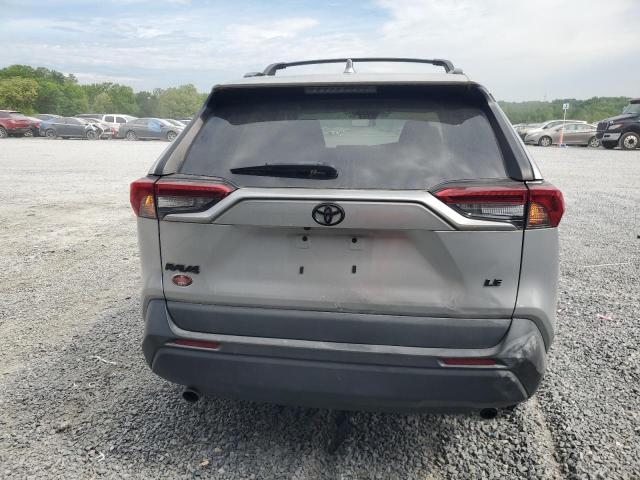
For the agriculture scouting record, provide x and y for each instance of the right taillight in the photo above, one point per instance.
(546, 206)
(156, 199)
(535, 206)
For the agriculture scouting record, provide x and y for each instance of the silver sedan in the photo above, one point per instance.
(574, 134)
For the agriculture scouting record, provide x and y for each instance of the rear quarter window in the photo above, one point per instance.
(389, 139)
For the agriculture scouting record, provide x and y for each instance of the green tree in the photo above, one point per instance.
(73, 100)
(121, 98)
(183, 101)
(148, 103)
(18, 93)
(50, 97)
(102, 103)
(591, 110)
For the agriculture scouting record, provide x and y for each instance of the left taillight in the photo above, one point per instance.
(142, 198)
(536, 206)
(156, 199)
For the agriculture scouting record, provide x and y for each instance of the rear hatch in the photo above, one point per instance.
(20, 121)
(324, 200)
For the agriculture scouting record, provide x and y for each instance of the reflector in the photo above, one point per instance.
(473, 362)
(185, 342)
(182, 280)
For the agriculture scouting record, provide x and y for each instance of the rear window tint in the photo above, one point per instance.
(382, 140)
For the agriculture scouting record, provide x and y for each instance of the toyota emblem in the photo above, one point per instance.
(328, 214)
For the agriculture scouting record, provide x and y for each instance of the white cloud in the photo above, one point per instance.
(84, 77)
(287, 28)
(519, 49)
(523, 48)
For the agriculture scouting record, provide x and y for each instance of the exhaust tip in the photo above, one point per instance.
(488, 413)
(191, 395)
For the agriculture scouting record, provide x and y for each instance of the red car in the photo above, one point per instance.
(14, 123)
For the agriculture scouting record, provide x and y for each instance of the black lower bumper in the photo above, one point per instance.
(323, 375)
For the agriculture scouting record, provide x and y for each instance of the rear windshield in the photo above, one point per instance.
(376, 139)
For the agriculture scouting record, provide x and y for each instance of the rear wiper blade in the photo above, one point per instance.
(312, 171)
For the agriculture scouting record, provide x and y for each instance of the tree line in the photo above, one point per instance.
(591, 110)
(41, 90)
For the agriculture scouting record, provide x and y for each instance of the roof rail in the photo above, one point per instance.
(274, 67)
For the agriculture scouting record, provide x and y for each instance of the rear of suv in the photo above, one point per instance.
(354, 241)
(14, 123)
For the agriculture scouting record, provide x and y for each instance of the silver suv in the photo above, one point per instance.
(354, 241)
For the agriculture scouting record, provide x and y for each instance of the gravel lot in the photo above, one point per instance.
(78, 401)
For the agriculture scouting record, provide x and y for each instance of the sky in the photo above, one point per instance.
(519, 49)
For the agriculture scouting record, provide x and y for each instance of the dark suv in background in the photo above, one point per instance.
(622, 130)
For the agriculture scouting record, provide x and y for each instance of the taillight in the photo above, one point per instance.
(188, 197)
(155, 199)
(546, 206)
(141, 196)
(541, 205)
(488, 203)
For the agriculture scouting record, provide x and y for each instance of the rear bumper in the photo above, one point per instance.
(346, 376)
(19, 131)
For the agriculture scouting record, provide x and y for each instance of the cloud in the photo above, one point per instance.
(287, 28)
(520, 50)
(84, 77)
(515, 45)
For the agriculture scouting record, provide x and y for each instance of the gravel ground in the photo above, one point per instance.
(77, 400)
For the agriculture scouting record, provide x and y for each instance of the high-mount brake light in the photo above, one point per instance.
(156, 199)
(542, 205)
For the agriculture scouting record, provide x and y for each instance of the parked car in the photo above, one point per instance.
(186, 121)
(46, 116)
(410, 263)
(583, 134)
(71, 127)
(90, 116)
(14, 123)
(523, 129)
(150, 129)
(114, 120)
(177, 123)
(622, 130)
(105, 131)
(523, 132)
(45, 120)
(34, 127)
